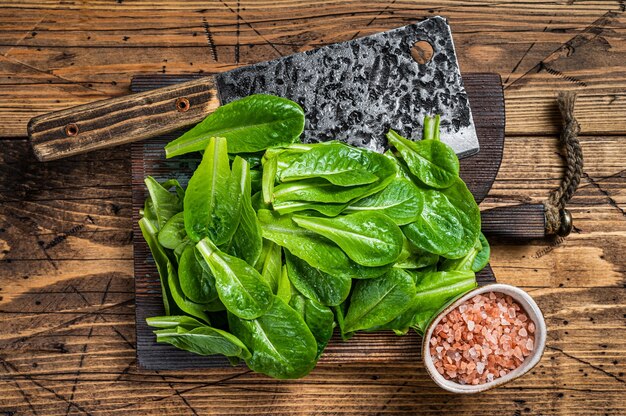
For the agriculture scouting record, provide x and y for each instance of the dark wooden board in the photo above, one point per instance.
(148, 158)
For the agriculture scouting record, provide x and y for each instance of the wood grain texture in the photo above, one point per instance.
(121, 120)
(66, 270)
(84, 53)
(148, 158)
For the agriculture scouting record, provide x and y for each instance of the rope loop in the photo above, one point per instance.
(558, 219)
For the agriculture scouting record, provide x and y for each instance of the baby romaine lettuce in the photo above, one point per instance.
(213, 197)
(400, 200)
(379, 242)
(375, 302)
(240, 287)
(281, 343)
(316, 250)
(368, 238)
(313, 283)
(250, 124)
(432, 161)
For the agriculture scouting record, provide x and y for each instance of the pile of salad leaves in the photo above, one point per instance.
(274, 242)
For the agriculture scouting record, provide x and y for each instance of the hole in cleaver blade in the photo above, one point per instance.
(355, 91)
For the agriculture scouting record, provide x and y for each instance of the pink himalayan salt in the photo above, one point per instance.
(484, 338)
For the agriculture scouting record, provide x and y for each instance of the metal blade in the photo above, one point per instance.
(355, 91)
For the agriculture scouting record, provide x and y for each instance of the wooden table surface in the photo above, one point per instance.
(66, 269)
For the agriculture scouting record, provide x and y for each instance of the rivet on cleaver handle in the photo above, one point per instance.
(121, 120)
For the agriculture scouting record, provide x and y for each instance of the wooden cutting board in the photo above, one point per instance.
(148, 158)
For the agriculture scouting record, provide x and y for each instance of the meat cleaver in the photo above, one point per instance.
(352, 91)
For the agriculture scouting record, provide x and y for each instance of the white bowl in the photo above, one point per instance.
(526, 302)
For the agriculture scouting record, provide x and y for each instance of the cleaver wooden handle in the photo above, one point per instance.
(122, 120)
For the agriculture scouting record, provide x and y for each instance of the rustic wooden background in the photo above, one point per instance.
(66, 270)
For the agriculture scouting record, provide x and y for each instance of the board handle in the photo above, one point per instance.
(122, 120)
(525, 221)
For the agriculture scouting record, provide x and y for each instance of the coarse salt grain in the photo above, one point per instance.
(483, 339)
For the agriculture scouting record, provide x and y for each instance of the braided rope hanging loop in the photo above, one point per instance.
(558, 219)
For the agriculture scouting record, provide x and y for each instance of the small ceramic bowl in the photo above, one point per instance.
(526, 302)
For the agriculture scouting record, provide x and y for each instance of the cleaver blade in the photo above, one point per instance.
(353, 91)
(356, 91)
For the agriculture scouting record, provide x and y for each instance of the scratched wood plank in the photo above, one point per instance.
(57, 54)
(577, 361)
